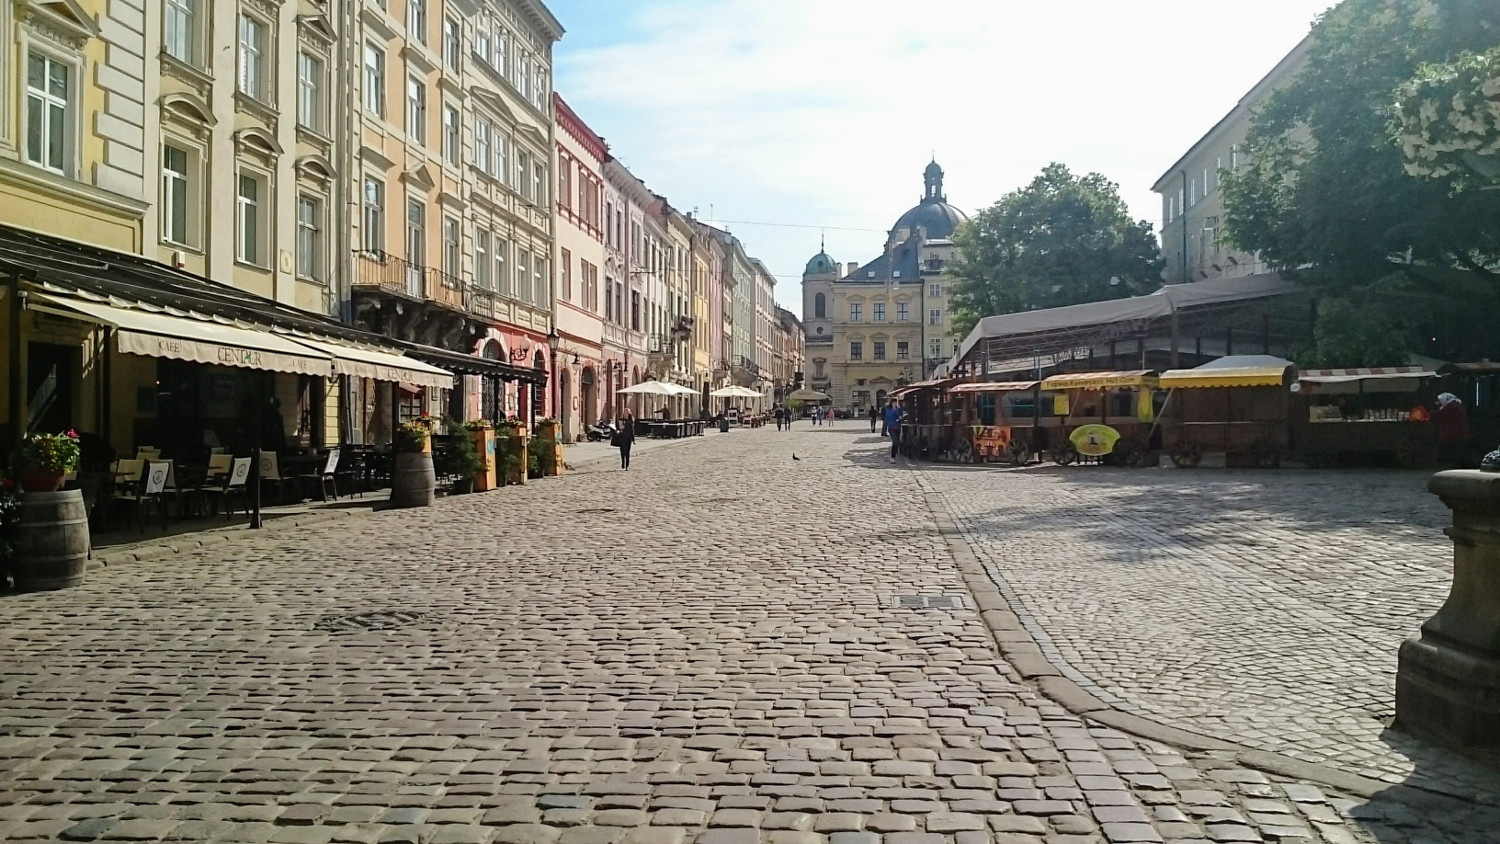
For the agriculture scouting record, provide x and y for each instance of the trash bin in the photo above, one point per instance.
(723, 424)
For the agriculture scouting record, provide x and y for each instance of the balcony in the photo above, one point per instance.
(407, 301)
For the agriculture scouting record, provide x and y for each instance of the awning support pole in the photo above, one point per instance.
(17, 304)
(261, 403)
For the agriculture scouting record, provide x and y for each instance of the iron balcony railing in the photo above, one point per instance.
(748, 365)
(383, 270)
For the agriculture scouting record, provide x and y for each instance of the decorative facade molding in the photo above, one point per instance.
(63, 22)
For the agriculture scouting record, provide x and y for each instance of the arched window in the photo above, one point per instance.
(820, 306)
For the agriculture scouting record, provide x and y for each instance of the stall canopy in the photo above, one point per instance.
(1232, 371)
(365, 362)
(1388, 379)
(191, 338)
(995, 387)
(1099, 380)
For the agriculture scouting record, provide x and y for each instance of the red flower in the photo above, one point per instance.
(72, 433)
(8, 483)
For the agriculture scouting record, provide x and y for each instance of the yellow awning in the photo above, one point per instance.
(1099, 380)
(1250, 376)
(993, 387)
(162, 335)
(364, 362)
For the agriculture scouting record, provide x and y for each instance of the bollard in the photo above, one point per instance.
(1448, 678)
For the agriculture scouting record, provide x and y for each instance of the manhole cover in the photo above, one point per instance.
(928, 602)
(382, 620)
(594, 511)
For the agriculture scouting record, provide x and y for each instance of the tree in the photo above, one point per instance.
(1061, 240)
(1326, 195)
(1347, 334)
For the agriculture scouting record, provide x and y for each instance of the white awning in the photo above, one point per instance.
(364, 362)
(162, 335)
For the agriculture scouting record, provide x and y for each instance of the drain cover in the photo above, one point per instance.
(382, 620)
(928, 602)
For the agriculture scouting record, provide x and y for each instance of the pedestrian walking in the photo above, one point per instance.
(893, 426)
(624, 438)
(1453, 431)
(874, 417)
(780, 415)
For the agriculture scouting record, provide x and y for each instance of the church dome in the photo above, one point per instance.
(821, 264)
(933, 213)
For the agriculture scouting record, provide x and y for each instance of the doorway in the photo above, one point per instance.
(51, 371)
(590, 393)
(565, 414)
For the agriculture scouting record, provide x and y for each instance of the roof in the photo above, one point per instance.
(1231, 371)
(821, 264)
(1053, 329)
(1097, 380)
(995, 387)
(902, 258)
(937, 217)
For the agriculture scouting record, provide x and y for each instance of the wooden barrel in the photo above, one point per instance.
(52, 541)
(414, 481)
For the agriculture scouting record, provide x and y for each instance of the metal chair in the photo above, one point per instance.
(226, 486)
(146, 493)
(325, 478)
(270, 473)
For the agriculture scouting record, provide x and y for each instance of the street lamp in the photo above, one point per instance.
(552, 339)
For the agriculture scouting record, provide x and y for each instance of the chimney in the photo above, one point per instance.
(853, 268)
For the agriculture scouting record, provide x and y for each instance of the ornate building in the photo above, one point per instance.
(871, 328)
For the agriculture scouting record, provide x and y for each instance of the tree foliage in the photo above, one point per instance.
(1326, 194)
(1060, 240)
(1349, 334)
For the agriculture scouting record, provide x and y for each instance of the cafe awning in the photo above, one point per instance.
(1099, 380)
(994, 387)
(363, 362)
(1235, 371)
(1385, 379)
(217, 341)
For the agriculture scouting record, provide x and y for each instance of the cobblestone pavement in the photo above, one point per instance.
(709, 649)
(1261, 607)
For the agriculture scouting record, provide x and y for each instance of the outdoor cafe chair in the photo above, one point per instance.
(324, 476)
(146, 493)
(226, 486)
(270, 473)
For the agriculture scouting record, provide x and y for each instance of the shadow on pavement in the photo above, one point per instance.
(1428, 806)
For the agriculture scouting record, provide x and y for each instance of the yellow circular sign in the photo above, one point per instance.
(1094, 440)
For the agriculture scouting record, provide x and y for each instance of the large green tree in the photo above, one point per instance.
(1061, 240)
(1326, 195)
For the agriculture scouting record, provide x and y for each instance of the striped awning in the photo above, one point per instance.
(1098, 380)
(994, 387)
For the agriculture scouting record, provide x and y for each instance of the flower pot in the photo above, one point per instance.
(52, 541)
(414, 482)
(41, 480)
(463, 486)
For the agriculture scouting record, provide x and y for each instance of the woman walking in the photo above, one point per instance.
(624, 438)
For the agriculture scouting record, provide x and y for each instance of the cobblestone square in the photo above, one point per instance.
(721, 645)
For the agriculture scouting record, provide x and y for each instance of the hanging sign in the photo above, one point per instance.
(1094, 440)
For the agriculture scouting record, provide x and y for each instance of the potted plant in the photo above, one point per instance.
(10, 511)
(415, 481)
(43, 460)
(459, 459)
(511, 439)
(549, 453)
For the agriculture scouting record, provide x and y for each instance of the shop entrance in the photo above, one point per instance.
(51, 372)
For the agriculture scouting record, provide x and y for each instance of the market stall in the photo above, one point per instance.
(1108, 417)
(1236, 406)
(1002, 421)
(1342, 415)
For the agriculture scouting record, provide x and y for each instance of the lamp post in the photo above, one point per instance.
(552, 339)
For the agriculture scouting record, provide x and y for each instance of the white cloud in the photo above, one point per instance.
(824, 113)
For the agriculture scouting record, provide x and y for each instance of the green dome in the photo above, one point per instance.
(821, 264)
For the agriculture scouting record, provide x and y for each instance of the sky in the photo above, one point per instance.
(818, 116)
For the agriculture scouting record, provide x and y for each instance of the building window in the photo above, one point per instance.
(482, 144)
(482, 259)
(539, 184)
(1234, 158)
(609, 300)
(502, 52)
(564, 182)
(176, 207)
(1205, 182)
(249, 205)
(416, 109)
(452, 43)
(539, 280)
(1181, 208)
(252, 57)
(590, 277)
(934, 289)
(375, 80)
(179, 37)
(856, 350)
(934, 317)
(901, 312)
(820, 306)
(309, 238)
(856, 312)
(374, 215)
(450, 135)
(49, 117)
(416, 233)
(635, 311)
(877, 312)
(903, 350)
(309, 92)
(935, 348)
(502, 157)
(450, 249)
(565, 271)
(956, 344)
(523, 170)
(502, 269)
(879, 349)
(416, 20)
(523, 275)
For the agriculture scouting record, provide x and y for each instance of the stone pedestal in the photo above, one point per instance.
(1448, 679)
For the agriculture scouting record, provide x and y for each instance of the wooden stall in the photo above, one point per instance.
(1108, 417)
(1002, 421)
(1236, 406)
(1349, 415)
